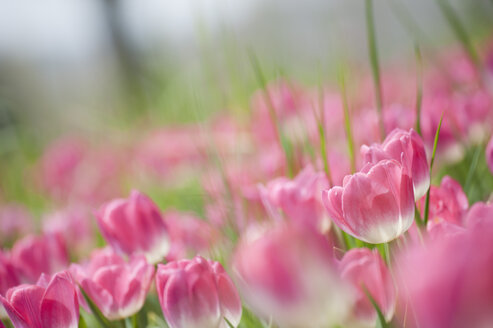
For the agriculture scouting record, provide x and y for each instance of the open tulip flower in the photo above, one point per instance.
(409, 144)
(118, 288)
(50, 304)
(375, 205)
(197, 293)
(135, 226)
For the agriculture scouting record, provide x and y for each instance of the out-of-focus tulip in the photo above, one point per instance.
(135, 226)
(407, 148)
(448, 202)
(363, 267)
(299, 198)
(15, 221)
(197, 293)
(448, 283)
(51, 305)
(118, 288)
(479, 213)
(34, 255)
(289, 273)
(8, 274)
(489, 154)
(375, 205)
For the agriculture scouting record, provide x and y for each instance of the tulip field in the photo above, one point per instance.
(363, 200)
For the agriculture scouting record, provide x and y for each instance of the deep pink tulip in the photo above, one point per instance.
(289, 274)
(448, 283)
(397, 143)
(8, 274)
(34, 255)
(363, 267)
(135, 226)
(299, 198)
(375, 205)
(118, 288)
(489, 154)
(197, 293)
(50, 304)
(448, 202)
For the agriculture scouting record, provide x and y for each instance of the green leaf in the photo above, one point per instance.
(381, 319)
(230, 325)
(82, 322)
(95, 310)
(435, 143)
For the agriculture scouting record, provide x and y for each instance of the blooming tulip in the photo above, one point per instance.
(289, 273)
(34, 255)
(410, 144)
(44, 305)
(365, 268)
(197, 293)
(135, 226)
(118, 288)
(375, 205)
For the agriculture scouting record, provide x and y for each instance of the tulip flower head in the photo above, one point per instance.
(409, 144)
(197, 293)
(117, 287)
(50, 304)
(375, 205)
(135, 226)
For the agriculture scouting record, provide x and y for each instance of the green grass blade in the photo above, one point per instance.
(381, 317)
(95, 311)
(347, 121)
(427, 201)
(375, 66)
(419, 86)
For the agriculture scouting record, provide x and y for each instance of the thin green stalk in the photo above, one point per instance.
(460, 31)
(347, 122)
(380, 315)
(323, 140)
(472, 168)
(375, 67)
(283, 143)
(419, 87)
(95, 310)
(427, 201)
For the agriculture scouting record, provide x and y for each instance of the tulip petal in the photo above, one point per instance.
(60, 307)
(14, 316)
(26, 300)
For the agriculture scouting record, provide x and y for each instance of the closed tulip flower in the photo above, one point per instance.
(375, 205)
(118, 288)
(397, 143)
(197, 293)
(363, 267)
(34, 255)
(51, 305)
(135, 226)
(289, 274)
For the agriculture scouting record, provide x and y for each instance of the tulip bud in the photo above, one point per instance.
(197, 293)
(375, 205)
(44, 305)
(289, 274)
(135, 226)
(34, 255)
(410, 144)
(365, 269)
(118, 288)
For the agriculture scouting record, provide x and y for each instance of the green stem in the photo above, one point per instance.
(323, 140)
(375, 67)
(347, 122)
(381, 317)
(419, 87)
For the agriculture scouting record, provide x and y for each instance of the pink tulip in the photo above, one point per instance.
(489, 154)
(289, 274)
(197, 293)
(50, 304)
(447, 202)
(448, 283)
(409, 144)
(135, 226)
(15, 221)
(375, 205)
(362, 267)
(118, 288)
(479, 213)
(299, 198)
(8, 273)
(34, 255)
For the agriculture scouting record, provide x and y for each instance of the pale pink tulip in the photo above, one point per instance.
(397, 144)
(365, 269)
(118, 288)
(34, 255)
(50, 304)
(15, 221)
(197, 293)
(135, 226)
(289, 274)
(479, 213)
(375, 205)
